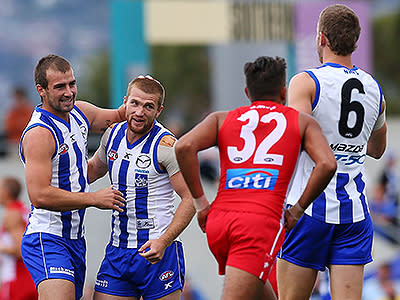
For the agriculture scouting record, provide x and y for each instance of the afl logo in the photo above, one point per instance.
(112, 155)
(63, 149)
(143, 161)
(166, 275)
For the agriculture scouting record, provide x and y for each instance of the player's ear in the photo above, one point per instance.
(41, 91)
(323, 40)
(282, 94)
(246, 91)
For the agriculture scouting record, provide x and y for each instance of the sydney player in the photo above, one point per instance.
(144, 257)
(336, 230)
(259, 145)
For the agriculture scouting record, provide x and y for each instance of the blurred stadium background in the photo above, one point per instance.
(197, 49)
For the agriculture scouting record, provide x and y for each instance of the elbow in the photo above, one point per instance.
(182, 147)
(38, 201)
(329, 166)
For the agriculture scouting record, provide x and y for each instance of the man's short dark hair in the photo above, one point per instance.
(265, 77)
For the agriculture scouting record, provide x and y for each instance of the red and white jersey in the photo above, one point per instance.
(10, 266)
(259, 146)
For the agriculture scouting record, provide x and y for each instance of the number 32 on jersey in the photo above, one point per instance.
(261, 152)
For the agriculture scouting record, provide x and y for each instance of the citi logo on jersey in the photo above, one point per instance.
(259, 179)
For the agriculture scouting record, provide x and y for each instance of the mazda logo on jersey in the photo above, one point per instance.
(143, 161)
(63, 149)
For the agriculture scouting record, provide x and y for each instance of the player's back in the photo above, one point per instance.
(346, 105)
(259, 146)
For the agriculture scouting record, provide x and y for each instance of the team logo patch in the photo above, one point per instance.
(259, 179)
(166, 275)
(63, 149)
(143, 161)
(112, 155)
(141, 180)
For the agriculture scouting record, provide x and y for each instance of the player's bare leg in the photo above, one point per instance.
(241, 285)
(175, 295)
(346, 281)
(295, 282)
(101, 296)
(269, 292)
(60, 289)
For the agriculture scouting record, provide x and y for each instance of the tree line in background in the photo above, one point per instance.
(386, 32)
(184, 71)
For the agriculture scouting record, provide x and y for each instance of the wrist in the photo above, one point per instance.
(296, 211)
(200, 203)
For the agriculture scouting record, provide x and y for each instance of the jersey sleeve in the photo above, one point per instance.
(166, 156)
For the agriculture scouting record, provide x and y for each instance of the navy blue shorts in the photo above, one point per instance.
(315, 244)
(48, 256)
(125, 273)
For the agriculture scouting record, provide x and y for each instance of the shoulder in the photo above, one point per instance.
(168, 140)
(302, 78)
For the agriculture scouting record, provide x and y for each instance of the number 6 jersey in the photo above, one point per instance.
(259, 146)
(346, 105)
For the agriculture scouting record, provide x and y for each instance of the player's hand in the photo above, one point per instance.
(109, 198)
(202, 218)
(153, 250)
(290, 219)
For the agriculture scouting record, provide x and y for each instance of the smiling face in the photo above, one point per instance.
(60, 94)
(141, 110)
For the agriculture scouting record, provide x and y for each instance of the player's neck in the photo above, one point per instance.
(338, 59)
(134, 136)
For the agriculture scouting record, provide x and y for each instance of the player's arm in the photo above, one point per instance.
(38, 148)
(97, 166)
(100, 118)
(317, 147)
(202, 136)
(377, 141)
(15, 226)
(301, 92)
(185, 211)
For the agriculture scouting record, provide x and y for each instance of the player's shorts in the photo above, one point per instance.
(315, 244)
(48, 256)
(244, 240)
(125, 273)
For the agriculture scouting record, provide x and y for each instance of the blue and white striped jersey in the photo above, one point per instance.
(346, 105)
(135, 171)
(69, 171)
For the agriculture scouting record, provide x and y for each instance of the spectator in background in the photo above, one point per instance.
(16, 282)
(389, 181)
(385, 201)
(190, 292)
(381, 286)
(17, 117)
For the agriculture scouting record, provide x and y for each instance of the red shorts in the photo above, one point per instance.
(247, 241)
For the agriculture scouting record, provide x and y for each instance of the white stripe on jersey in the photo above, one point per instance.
(346, 106)
(69, 171)
(134, 170)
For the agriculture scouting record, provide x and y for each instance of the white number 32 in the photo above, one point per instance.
(261, 155)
